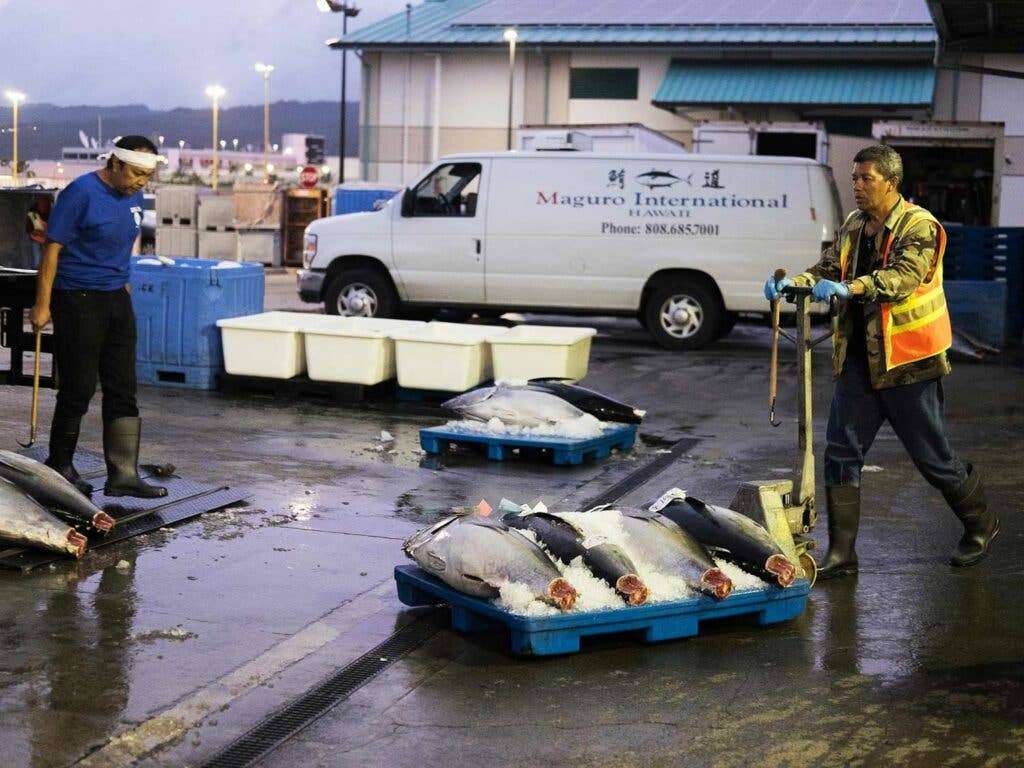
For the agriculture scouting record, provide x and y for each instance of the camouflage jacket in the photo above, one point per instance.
(909, 261)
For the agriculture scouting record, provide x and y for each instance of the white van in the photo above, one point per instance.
(681, 242)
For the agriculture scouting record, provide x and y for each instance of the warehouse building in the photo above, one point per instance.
(779, 77)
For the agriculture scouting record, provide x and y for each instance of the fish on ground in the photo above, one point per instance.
(26, 521)
(521, 406)
(478, 556)
(728, 534)
(53, 491)
(589, 401)
(605, 560)
(671, 550)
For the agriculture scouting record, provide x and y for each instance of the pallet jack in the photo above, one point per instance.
(786, 507)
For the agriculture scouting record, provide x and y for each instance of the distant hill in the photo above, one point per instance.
(45, 128)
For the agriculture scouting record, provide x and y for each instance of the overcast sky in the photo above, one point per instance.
(164, 54)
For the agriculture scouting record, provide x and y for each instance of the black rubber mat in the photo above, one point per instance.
(185, 498)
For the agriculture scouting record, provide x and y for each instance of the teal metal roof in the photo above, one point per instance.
(690, 82)
(437, 22)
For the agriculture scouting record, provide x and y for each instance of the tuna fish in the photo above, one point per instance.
(605, 560)
(52, 490)
(24, 520)
(589, 401)
(521, 406)
(478, 556)
(670, 550)
(728, 533)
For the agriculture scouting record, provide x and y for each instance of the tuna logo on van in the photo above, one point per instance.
(654, 179)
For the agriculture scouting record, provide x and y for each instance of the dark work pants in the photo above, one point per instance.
(913, 410)
(94, 334)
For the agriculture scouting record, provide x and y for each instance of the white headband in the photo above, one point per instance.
(145, 160)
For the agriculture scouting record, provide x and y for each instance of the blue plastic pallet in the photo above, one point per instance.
(548, 635)
(564, 450)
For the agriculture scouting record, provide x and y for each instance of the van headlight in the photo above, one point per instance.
(308, 250)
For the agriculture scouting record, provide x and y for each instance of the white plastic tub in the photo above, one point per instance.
(353, 350)
(449, 357)
(269, 344)
(537, 351)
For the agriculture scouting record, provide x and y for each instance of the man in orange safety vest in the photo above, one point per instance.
(889, 356)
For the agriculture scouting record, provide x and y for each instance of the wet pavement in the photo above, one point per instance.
(162, 649)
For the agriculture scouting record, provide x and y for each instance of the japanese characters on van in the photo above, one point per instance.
(660, 193)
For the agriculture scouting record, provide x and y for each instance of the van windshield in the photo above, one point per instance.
(451, 190)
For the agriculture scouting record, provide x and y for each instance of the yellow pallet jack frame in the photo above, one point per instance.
(786, 507)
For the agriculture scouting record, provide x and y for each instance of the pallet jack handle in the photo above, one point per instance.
(803, 492)
(773, 369)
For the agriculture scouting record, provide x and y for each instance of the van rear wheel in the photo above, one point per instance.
(360, 293)
(683, 314)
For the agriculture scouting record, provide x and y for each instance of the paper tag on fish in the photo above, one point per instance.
(509, 506)
(672, 494)
(540, 507)
(483, 508)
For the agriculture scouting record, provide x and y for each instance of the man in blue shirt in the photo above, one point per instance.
(83, 280)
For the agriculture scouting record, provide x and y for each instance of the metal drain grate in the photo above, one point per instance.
(634, 480)
(310, 706)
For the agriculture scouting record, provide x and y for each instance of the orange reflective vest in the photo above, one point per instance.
(919, 326)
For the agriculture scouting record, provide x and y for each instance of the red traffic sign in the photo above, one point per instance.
(309, 176)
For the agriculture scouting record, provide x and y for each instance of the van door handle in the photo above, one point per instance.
(476, 240)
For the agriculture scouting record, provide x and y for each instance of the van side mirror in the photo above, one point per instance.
(408, 201)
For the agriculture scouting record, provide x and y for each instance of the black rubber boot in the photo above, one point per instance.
(121, 448)
(981, 525)
(843, 520)
(63, 440)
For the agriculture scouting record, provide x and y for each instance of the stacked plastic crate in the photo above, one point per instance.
(176, 221)
(218, 238)
(258, 218)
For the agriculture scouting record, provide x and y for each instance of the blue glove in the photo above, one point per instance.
(824, 290)
(773, 289)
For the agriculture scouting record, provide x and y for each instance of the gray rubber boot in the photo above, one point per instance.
(121, 439)
(843, 503)
(981, 525)
(63, 441)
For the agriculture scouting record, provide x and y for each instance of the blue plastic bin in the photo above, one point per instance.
(356, 199)
(979, 308)
(177, 308)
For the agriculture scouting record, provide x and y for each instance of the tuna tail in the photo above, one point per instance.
(76, 543)
(783, 570)
(632, 588)
(562, 594)
(101, 521)
(716, 583)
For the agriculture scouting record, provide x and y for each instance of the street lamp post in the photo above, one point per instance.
(15, 97)
(265, 70)
(510, 37)
(215, 92)
(346, 10)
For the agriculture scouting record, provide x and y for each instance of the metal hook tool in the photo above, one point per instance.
(35, 393)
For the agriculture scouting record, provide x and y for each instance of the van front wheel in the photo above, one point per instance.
(360, 293)
(683, 314)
